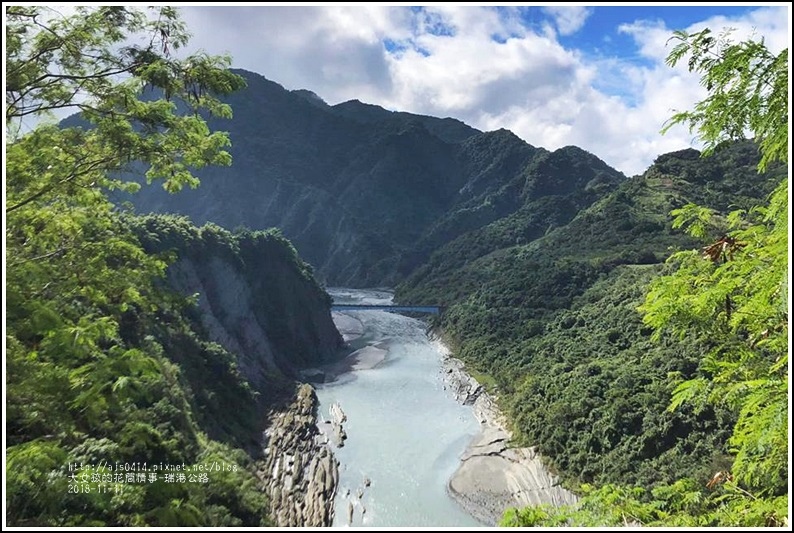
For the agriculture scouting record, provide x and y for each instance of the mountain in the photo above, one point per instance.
(366, 194)
(540, 257)
(550, 320)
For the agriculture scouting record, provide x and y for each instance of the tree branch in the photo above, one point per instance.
(74, 174)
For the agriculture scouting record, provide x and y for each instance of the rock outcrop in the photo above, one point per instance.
(464, 388)
(300, 474)
(492, 475)
(255, 296)
(338, 418)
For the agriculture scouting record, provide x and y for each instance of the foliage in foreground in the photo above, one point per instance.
(88, 379)
(684, 503)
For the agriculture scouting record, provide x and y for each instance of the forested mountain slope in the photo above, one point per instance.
(554, 323)
(365, 194)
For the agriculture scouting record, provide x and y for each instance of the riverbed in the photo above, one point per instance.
(405, 431)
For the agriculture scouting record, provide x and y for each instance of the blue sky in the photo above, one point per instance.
(601, 22)
(600, 33)
(591, 76)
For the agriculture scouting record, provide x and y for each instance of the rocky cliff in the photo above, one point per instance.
(255, 296)
(258, 300)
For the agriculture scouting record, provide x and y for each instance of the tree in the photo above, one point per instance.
(733, 292)
(747, 92)
(86, 378)
(56, 207)
(71, 266)
(81, 62)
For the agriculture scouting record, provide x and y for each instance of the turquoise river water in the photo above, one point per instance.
(405, 431)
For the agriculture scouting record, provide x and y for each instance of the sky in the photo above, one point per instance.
(591, 76)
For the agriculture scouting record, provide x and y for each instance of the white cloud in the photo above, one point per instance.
(568, 19)
(481, 65)
(661, 90)
(335, 51)
(472, 73)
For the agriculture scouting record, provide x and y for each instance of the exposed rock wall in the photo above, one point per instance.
(226, 313)
(300, 474)
(256, 297)
(272, 329)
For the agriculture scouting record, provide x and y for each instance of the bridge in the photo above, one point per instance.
(431, 309)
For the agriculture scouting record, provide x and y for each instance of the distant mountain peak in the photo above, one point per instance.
(366, 193)
(449, 129)
(310, 96)
(356, 102)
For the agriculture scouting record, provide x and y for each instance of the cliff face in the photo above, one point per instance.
(256, 298)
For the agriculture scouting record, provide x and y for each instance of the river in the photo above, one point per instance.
(405, 431)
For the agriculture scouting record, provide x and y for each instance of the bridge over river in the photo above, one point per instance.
(430, 309)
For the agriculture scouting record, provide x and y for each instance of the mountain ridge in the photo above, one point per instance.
(552, 322)
(365, 193)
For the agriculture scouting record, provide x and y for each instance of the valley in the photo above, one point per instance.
(346, 315)
(539, 260)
